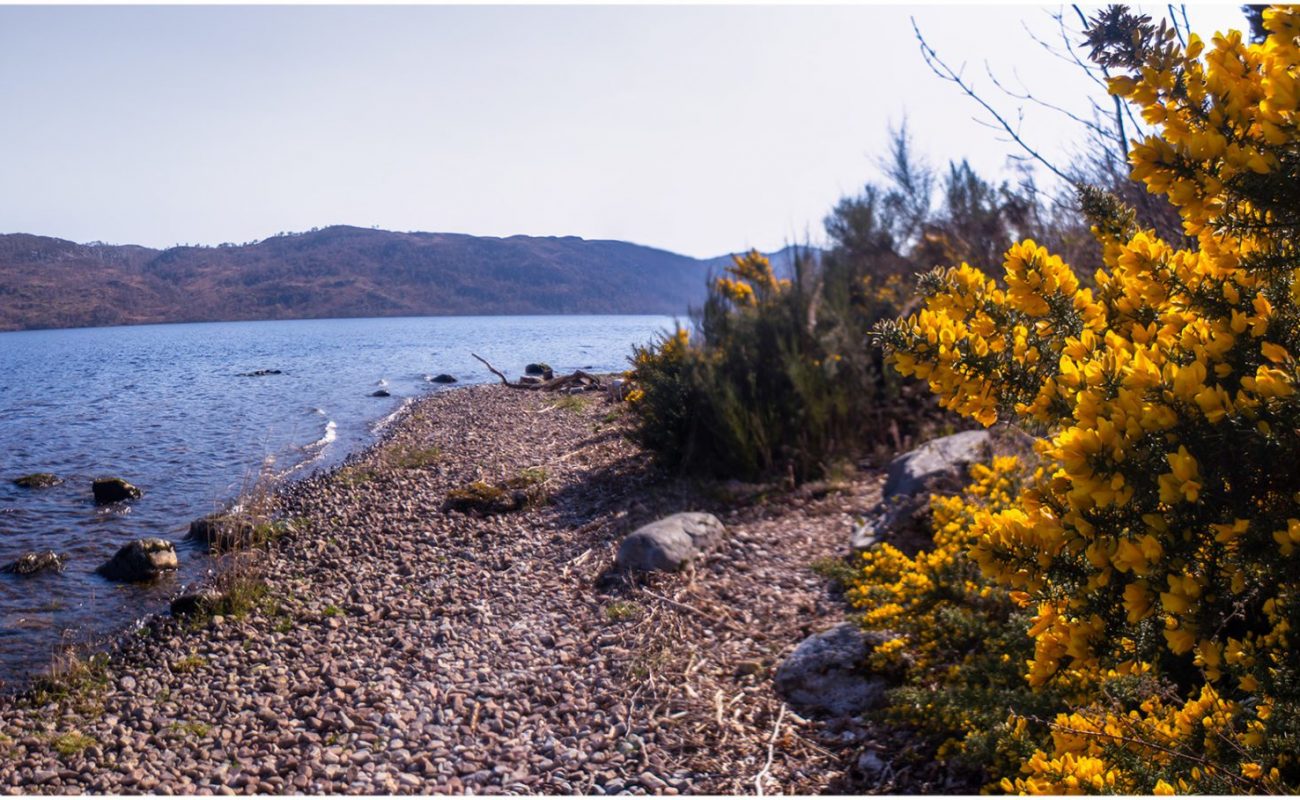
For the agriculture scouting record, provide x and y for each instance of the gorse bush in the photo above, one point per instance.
(1154, 550)
(774, 378)
(765, 388)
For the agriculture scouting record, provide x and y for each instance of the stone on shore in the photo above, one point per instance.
(670, 543)
(443, 378)
(193, 603)
(113, 490)
(141, 560)
(902, 517)
(38, 480)
(32, 563)
(938, 464)
(543, 371)
(827, 674)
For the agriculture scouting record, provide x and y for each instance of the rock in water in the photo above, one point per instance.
(141, 560)
(543, 371)
(38, 480)
(32, 563)
(443, 378)
(827, 674)
(114, 490)
(944, 460)
(670, 543)
(380, 393)
(223, 532)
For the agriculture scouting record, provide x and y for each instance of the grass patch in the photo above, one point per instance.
(622, 611)
(243, 591)
(575, 403)
(197, 730)
(71, 678)
(332, 610)
(190, 663)
(835, 570)
(73, 743)
(356, 476)
(412, 457)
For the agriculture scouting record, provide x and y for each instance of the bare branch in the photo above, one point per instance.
(938, 67)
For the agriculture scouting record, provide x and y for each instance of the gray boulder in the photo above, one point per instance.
(113, 490)
(902, 521)
(141, 560)
(32, 563)
(827, 674)
(942, 461)
(902, 517)
(670, 543)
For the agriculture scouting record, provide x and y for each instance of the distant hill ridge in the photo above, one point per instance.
(341, 271)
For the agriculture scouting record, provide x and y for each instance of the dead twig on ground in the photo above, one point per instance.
(771, 751)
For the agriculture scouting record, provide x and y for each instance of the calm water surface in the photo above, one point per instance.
(165, 407)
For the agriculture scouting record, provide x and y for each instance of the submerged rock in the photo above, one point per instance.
(223, 532)
(258, 373)
(380, 393)
(38, 480)
(32, 563)
(827, 674)
(141, 560)
(670, 543)
(443, 378)
(114, 490)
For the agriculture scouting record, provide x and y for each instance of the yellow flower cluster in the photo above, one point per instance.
(751, 280)
(1157, 543)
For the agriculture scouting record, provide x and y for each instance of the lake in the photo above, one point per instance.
(174, 410)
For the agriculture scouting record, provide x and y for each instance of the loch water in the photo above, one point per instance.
(179, 411)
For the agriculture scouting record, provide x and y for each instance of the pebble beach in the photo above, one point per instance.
(401, 649)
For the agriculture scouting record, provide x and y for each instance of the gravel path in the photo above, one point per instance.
(403, 650)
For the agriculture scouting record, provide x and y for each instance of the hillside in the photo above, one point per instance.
(339, 271)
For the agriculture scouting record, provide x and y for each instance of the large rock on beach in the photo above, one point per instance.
(32, 563)
(223, 532)
(902, 517)
(670, 543)
(113, 490)
(827, 674)
(38, 480)
(141, 560)
(939, 464)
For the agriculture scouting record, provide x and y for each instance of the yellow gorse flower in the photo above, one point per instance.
(1157, 542)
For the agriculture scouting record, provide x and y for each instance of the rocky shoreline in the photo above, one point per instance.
(396, 647)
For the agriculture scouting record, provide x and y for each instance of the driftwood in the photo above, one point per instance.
(577, 379)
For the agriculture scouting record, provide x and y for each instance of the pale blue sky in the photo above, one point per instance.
(702, 130)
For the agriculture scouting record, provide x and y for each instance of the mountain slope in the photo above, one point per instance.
(339, 271)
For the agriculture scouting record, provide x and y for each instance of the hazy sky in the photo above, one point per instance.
(703, 130)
